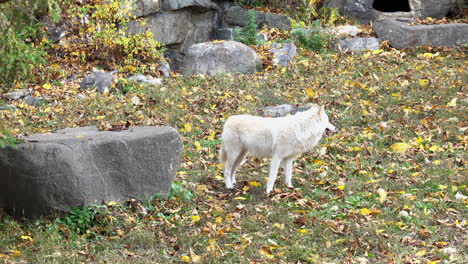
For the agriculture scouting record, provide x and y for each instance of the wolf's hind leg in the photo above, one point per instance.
(275, 163)
(232, 155)
(288, 164)
(237, 162)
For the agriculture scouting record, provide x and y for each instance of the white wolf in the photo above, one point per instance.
(281, 138)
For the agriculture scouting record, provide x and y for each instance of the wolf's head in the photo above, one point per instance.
(327, 127)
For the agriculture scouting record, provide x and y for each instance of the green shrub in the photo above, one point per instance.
(179, 192)
(110, 39)
(21, 40)
(248, 36)
(314, 38)
(79, 220)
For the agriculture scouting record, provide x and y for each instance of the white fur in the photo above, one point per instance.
(281, 139)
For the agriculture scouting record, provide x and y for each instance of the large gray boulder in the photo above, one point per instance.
(221, 57)
(402, 34)
(82, 166)
(180, 28)
(237, 16)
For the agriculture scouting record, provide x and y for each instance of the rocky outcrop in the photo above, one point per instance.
(83, 166)
(402, 34)
(221, 57)
(365, 10)
(237, 16)
(431, 8)
(141, 8)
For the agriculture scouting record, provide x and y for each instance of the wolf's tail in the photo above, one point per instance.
(222, 155)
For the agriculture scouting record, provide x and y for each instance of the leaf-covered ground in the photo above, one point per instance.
(389, 187)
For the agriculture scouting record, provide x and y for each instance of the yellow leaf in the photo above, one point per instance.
(424, 83)
(304, 231)
(27, 238)
(453, 102)
(279, 226)
(254, 183)
(435, 148)
(195, 218)
(47, 86)
(16, 253)
(310, 93)
(212, 136)
(375, 52)
(219, 219)
(319, 162)
(382, 195)
(365, 211)
(355, 149)
(400, 147)
(373, 181)
(187, 127)
(249, 97)
(198, 145)
(341, 187)
(239, 198)
(421, 253)
(265, 251)
(112, 203)
(185, 259)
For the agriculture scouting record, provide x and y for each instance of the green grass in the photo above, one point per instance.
(333, 215)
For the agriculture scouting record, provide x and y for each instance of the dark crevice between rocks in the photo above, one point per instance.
(391, 6)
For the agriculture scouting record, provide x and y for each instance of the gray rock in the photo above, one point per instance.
(99, 79)
(431, 8)
(280, 22)
(262, 37)
(83, 166)
(221, 57)
(7, 107)
(175, 58)
(141, 8)
(403, 35)
(357, 44)
(181, 28)
(146, 79)
(360, 9)
(16, 95)
(338, 4)
(165, 69)
(225, 34)
(171, 5)
(283, 53)
(34, 101)
(237, 16)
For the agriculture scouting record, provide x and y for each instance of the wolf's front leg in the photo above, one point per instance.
(275, 163)
(227, 178)
(288, 165)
